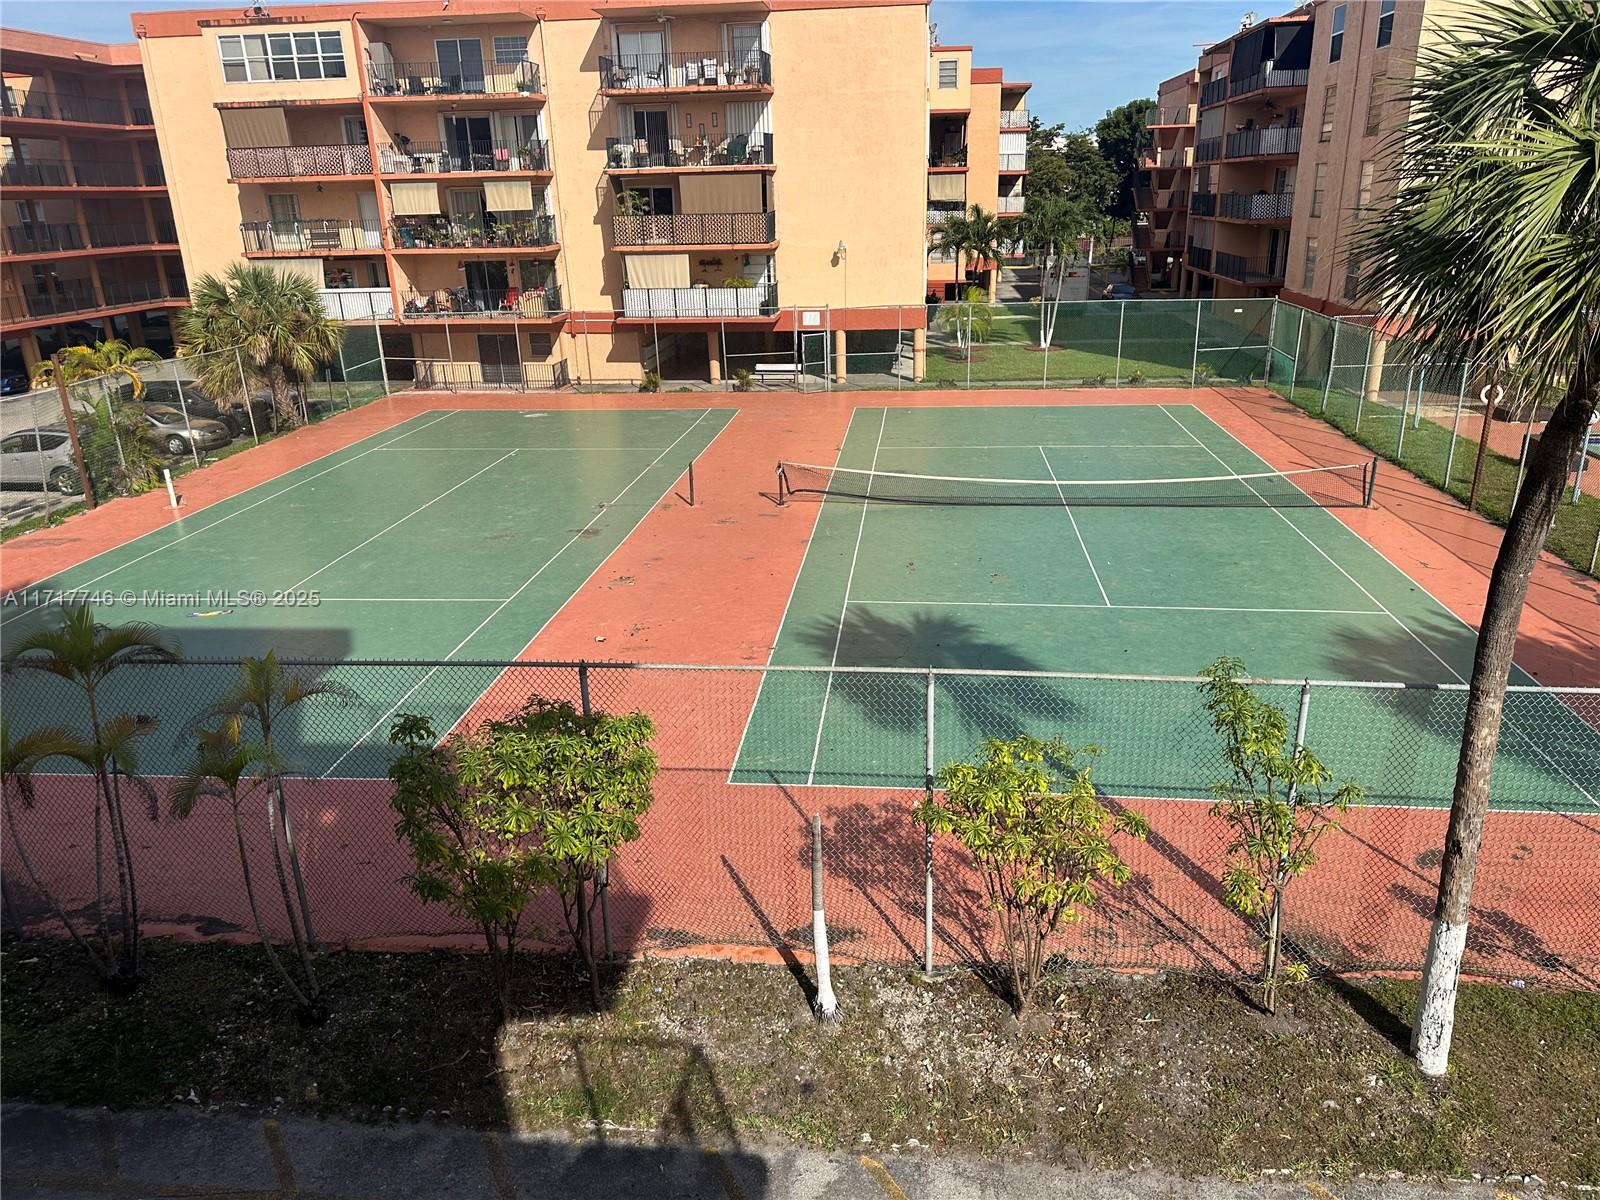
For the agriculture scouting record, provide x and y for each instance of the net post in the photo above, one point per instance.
(1371, 473)
(927, 846)
(1194, 361)
(691, 483)
(383, 367)
(1294, 365)
(783, 486)
(1405, 409)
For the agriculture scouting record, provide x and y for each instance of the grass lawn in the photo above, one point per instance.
(1172, 1069)
(1425, 452)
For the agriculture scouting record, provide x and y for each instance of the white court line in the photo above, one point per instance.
(395, 524)
(265, 499)
(1068, 510)
(1350, 612)
(844, 607)
(1051, 446)
(412, 599)
(525, 585)
(1537, 749)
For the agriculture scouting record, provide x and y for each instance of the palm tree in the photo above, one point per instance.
(230, 769)
(977, 236)
(84, 653)
(972, 317)
(1052, 228)
(106, 364)
(1492, 250)
(269, 325)
(113, 357)
(263, 694)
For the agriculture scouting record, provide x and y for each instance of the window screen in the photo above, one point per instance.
(508, 51)
(257, 57)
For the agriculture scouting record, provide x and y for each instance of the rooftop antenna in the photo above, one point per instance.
(1249, 20)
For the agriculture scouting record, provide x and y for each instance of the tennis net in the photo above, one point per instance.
(1346, 486)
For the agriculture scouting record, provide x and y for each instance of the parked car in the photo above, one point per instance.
(40, 458)
(164, 393)
(170, 432)
(1119, 291)
(14, 383)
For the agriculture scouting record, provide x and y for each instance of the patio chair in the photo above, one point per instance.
(324, 239)
(738, 147)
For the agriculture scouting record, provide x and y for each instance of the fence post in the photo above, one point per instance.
(602, 880)
(1294, 366)
(183, 407)
(383, 367)
(1122, 316)
(1405, 412)
(1194, 361)
(1455, 428)
(1595, 557)
(927, 850)
(344, 377)
(1333, 354)
(244, 395)
(1299, 741)
(1272, 329)
(84, 481)
(1522, 458)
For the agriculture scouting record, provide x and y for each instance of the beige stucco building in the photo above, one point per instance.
(508, 191)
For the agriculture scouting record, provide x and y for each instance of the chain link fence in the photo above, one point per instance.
(746, 758)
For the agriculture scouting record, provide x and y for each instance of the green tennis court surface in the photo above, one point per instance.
(1127, 578)
(455, 535)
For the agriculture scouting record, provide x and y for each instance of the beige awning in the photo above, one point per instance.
(508, 195)
(311, 268)
(255, 127)
(739, 193)
(414, 199)
(950, 186)
(657, 270)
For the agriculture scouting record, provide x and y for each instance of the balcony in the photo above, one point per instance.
(105, 234)
(938, 216)
(407, 80)
(1242, 269)
(1198, 257)
(462, 158)
(534, 230)
(1261, 206)
(740, 150)
(1214, 92)
(474, 304)
(1268, 78)
(291, 162)
(317, 236)
(696, 229)
(1013, 164)
(699, 303)
(1013, 118)
(1011, 204)
(86, 110)
(1182, 115)
(44, 239)
(1263, 143)
(357, 304)
(70, 296)
(686, 71)
(1171, 200)
(1208, 149)
(56, 172)
(1203, 204)
(117, 292)
(955, 156)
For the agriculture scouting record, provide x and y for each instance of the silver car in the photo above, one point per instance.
(169, 431)
(40, 458)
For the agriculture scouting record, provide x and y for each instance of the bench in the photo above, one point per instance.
(776, 371)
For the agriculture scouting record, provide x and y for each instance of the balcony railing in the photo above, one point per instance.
(1013, 118)
(1214, 92)
(695, 229)
(107, 174)
(938, 216)
(1249, 270)
(481, 158)
(1203, 204)
(1259, 143)
(358, 304)
(285, 162)
(1182, 115)
(740, 150)
(56, 172)
(118, 291)
(78, 295)
(1208, 149)
(43, 239)
(1198, 256)
(131, 233)
(454, 79)
(687, 69)
(475, 304)
(1013, 162)
(1268, 76)
(475, 376)
(700, 302)
(1011, 204)
(315, 236)
(1172, 199)
(506, 230)
(956, 156)
(42, 172)
(57, 106)
(1262, 206)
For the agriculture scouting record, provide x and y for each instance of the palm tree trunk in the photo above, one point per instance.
(1483, 453)
(282, 400)
(294, 865)
(127, 897)
(275, 813)
(255, 910)
(1529, 524)
(102, 967)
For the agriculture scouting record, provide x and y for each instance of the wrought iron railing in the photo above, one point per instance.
(131, 233)
(695, 229)
(453, 79)
(450, 158)
(1245, 269)
(753, 149)
(466, 303)
(700, 302)
(1208, 149)
(107, 174)
(505, 230)
(358, 304)
(1261, 206)
(317, 234)
(37, 104)
(1203, 204)
(1257, 143)
(1198, 256)
(63, 296)
(117, 291)
(39, 172)
(286, 162)
(685, 69)
(1268, 76)
(40, 238)
(1214, 92)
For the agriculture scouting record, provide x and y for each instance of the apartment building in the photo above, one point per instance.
(977, 153)
(506, 190)
(90, 249)
(1161, 197)
(1290, 146)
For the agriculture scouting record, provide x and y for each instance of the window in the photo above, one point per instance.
(1336, 41)
(509, 51)
(1385, 23)
(1330, 97)
(257, 57)
(283, 209)
(1319, 188)
(1309, 279)
(1352, 279)
(354, 130)
(1375, 103)
(539, 345)
(948, 68)
(1364, 190)
(460, 63)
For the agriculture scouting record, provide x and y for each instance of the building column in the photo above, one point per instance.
(1374, 380)
(841, 360)
(919, 354)
(714, 353)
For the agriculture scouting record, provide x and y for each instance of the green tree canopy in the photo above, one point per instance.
(1120, 135)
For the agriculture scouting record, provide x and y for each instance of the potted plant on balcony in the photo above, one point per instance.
(525, 158)
(737, 281)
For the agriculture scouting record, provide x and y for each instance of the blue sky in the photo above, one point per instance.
(1082, 56)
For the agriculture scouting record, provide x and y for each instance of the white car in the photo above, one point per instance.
(39, 458)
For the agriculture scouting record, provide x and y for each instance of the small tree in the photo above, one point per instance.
(971, 318)
(543, 799)
(1041, 839)
(1274, 806)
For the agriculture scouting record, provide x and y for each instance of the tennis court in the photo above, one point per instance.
(1052, 539)
(454, 535)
